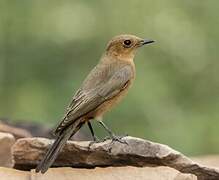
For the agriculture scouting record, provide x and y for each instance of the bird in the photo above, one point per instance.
(103, 88)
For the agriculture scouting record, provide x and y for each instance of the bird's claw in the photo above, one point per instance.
(95, 140)
(114, 138)
(119, 139)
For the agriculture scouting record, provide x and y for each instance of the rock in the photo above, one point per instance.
(109, 173)
(208, 160)
(138, 152)
(114, 173)
(6, 142)
(12, 174)
(17, 132)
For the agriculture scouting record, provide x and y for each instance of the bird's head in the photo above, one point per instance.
(125, 46)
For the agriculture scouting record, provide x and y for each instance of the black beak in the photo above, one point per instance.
(146, 41)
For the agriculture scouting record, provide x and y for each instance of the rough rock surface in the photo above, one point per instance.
(6, 142)
(12, 174)
(137, 152)
(208, 160)
(109, 173)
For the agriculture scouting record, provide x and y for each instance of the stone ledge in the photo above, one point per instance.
(28, 152)
(6, 142)
(108, 173)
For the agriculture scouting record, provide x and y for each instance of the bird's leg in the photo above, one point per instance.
(95, 139)
(111, 134)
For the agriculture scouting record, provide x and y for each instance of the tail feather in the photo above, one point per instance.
(53, 151)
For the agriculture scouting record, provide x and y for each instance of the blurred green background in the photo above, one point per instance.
(48, 47)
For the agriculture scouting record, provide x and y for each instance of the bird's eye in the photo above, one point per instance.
(127, 43)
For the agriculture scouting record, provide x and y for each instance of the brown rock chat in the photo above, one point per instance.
(106, 84)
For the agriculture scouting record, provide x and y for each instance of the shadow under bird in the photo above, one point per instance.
(102, 89)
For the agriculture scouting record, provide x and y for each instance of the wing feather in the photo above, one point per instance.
(88, 100)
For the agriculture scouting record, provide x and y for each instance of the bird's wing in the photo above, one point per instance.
(86, 101)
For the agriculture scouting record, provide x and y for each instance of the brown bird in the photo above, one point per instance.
(103, 88)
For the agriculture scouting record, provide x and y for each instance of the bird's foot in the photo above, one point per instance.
(95, 140)
(117, 138)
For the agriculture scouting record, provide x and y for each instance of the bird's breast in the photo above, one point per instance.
(109, 104)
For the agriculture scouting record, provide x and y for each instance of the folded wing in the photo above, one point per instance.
(87, 100)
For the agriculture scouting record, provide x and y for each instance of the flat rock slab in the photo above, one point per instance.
(6, 142)
(12, 174)
(28, 152)
(109, 173)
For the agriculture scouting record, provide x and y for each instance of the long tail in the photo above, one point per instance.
(59, 143)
